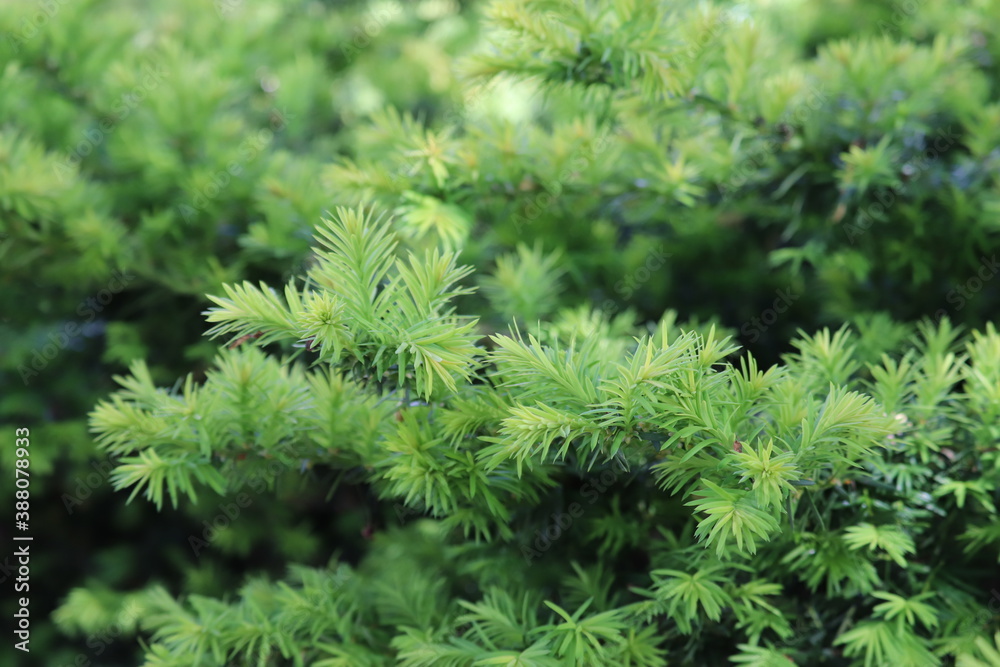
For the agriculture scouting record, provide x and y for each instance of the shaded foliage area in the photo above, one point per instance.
(564, 220)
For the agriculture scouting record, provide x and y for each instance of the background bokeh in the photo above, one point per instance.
(824, 162)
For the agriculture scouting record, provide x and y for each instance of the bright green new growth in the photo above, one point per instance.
(551, 483)
(745, 487)
(396, 309)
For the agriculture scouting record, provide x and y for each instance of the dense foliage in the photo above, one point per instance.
(149, 152)
(842, 170)
(701, 502)
(554, 332)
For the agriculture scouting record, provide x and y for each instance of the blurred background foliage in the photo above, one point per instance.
(149, 152)
(842, 152)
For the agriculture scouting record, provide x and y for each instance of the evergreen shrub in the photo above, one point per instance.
(671, 342)
(588, 492)
(150, 151)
